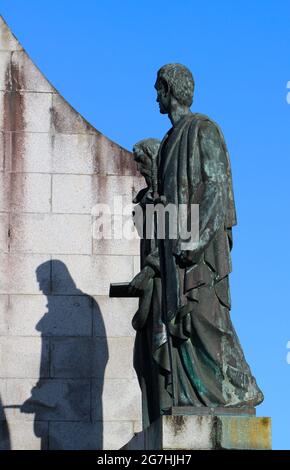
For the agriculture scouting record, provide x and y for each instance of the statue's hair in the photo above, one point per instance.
(180, 81)
(149, 146)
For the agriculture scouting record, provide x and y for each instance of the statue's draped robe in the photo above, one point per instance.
(206, 366)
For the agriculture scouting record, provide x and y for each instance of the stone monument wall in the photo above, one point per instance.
(66, 374)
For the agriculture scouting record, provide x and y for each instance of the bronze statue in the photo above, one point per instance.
(187, 353)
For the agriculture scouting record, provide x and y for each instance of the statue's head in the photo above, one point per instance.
(145, 154)
(174, 81)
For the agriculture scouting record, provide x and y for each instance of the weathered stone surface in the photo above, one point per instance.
(76, 436)
(73, 154)
(244, 433)
(8, 42)
(28, 192)
(88, 154)
(66, 120)
(90, 357)
(34, 152)
(136, 265)
(31, 78)
(18, 273)
(91, 274)
(86, 436)
(53, 156)
(116, 434)
(116, 314)
(120, 363)
(35, 315)
(39, 233)
(78, 357)
(187, 432)
(48, 400)
(114, 232)
(79, 193)
(4, 226)
(31, 111)
(130, 246)
(2, 150)
(23, 435)
(137, 426)
(72, 194)
(22, 357)
(4, 436)
(127, 405)
(193, 432)
(5, 58)
(110, 159)
(4, 303)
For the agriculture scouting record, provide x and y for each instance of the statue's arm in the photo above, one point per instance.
(153, 261)
(212, 204)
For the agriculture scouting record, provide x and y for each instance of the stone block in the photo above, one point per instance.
(91, 274)
(4, 303)
(4, 226)
(51, 233)
(8, 42)
(92, 357)
(187, 432)
(116, 434)
(111, 159)
(137, 267)
(5, 58)
(126, 407)
(114, 316)
(24, 357)
(65, 119)
(27, 75)
(89, 436)
(5, 443)
(3, 395)
(4, 140)
(35, 315)
(241, 432)
(137, 426)
(80, 193)
(26, 111)
(114, 235)
(72, 194)
(75, 436)
(73, 154)
(34, 152)
(48, 400)
(205, 432)
(18, 273)
(24, 192)
(120, 363)
(114, 191)
(78, 357)
(23, 435)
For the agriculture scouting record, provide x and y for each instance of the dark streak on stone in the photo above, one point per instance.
(14, 125)
(177, 423)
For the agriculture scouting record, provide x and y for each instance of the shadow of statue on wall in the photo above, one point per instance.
(4, 430)
(67, 399)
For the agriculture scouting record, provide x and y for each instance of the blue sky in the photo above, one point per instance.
(103, 56)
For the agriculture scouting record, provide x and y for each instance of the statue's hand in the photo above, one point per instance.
(140, 281)
(182, 259)
(186, 258)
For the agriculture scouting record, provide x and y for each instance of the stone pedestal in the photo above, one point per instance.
(205, 432)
